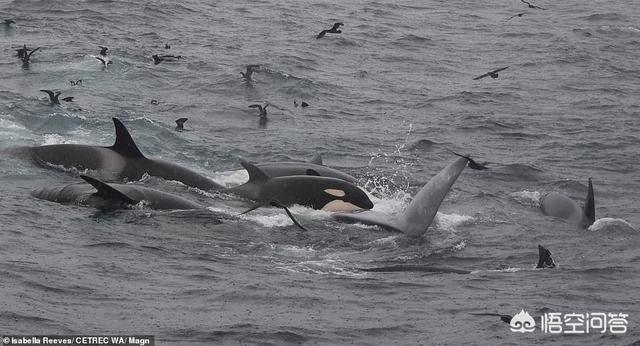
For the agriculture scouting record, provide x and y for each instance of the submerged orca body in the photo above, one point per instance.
(112, 196)
(417, 217)
(544, 261)
(326, 193)
(556, 204)
(313, 167)
(122, 160)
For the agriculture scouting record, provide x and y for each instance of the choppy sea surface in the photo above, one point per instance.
(389, 97)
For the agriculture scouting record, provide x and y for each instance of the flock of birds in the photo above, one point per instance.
(24, 54)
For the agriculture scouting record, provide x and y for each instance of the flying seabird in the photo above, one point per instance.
(333, 30)
(180, 124)
(160, 58)
(8, 22)
(263, 110)
(22, 51)
(27, 56)
(103, 50)
(493, 74)
(250, 70)
(53, 97)
(76, 82)
(104, 62)
(516, 15)
(532, 6)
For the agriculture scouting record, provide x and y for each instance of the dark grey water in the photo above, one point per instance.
(389, 97)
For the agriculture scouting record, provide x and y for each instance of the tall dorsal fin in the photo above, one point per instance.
(312, 172)
(255, 173)
(107, 192)
(590, 206)
(124, 144)
(316, 159)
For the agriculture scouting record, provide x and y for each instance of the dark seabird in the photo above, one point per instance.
(304, 104)
(516, 15)
(180, 124)
(104, 62)
(77, 82)
(103, 50)
(27, 56)
(493, 74)
(155, 102)
(532, 6)
(333, 30)
(263, 110)
(68, 99)
(22, 51)
(473, 164)
(52, 97)
(160, 58)
(167, 46)
(8, 22)
(250, 70)
(504, 318)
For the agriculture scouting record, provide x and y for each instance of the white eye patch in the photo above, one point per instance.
(335, 192)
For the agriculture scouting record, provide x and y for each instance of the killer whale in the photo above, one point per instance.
(122, 160)
(112, 196)
(556, 204)
(317, 192)
(419, 214)
(313, 167)
(104, 196)
(544, 261)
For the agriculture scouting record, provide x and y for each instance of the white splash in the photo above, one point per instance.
(607, 222)
(57, 139)
(451, 221)
(527, 197)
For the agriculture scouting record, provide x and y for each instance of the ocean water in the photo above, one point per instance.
(389, 98)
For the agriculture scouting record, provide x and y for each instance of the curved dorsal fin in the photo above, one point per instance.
(316, 159)
(255, 173)
(590, 206)
(124, 144)
(313, 172)
(107, 192)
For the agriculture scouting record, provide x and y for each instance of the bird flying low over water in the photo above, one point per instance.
(160, 58)
(493, 74)
(180, 124)
(262, 109)
(54, 97)
(22, 51)
(532, 6)
(26, 57)
(334, 30)
(104, 62)
(515, 15)
(250, 70)
(472, 164)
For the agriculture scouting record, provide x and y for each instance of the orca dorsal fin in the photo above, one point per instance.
(124, 144)
(255, 173)
(312, 172)
(544, 258)
(107, 192)
(316, 160)
(590, 206)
